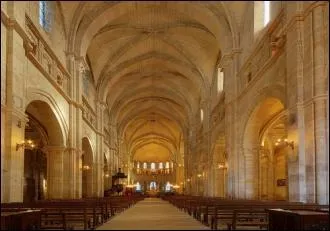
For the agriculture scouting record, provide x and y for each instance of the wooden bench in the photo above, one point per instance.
(76, 213)
(257, 219)
(233, 214)
(280, 219)
(20, 219)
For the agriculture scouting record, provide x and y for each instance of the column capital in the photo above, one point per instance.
(227, 58)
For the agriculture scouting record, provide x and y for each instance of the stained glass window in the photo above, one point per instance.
(167, 187)
(153, 166)
(266, 12)
(220, 80)
(138, 186)
(45, 15)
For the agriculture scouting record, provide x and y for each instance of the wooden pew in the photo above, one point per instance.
(64, 214)
(19, 219)
(233, 213)
(250, 218)
(280, 219)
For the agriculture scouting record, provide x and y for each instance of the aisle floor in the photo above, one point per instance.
(153, 214)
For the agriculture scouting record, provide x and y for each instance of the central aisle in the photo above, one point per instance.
(153, 214)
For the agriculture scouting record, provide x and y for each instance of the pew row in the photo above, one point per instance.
(73, 214)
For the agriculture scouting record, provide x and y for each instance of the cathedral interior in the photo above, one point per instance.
(146, 106)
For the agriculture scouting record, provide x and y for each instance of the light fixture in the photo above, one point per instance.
(221, 165)
(285, 142)
(106, 175)
(199, 175)
(85, 167)
(188, 180)
(176, 186)
(26, 144)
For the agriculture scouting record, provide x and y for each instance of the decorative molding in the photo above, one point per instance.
(88, 113)
(30, 47)
(264, 55)
(302, 15)
(217, 114)
(40, 54)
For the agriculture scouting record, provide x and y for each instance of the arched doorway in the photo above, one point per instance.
(87, 172)
(265, 149)
(35, 161)
(41, 131)
(107, 176)
(273, 159)
(220, 167)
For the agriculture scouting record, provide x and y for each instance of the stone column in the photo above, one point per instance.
(293, 169)
(230, 64)
(12, 168)
(295, 103)
(72, 169)
(55, 171)
(98, 174)
(251, 174)
(320, 104)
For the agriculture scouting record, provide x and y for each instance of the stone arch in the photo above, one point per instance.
(37, 95)
(87, 168)
(262, 113)
(45, 131)
(274, 91)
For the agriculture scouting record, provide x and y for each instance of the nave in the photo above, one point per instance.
(215, 107)
(153, 214)
(167, 212)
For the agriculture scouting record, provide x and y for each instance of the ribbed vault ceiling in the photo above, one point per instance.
(152, 64)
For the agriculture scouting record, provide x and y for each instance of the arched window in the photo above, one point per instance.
(45, 15)
(220, 80)
(160, 165)
(167, 187)
(153, 166)
(202, 114)
(153, 185)
(266, 12)
(167, 165)
(261, 15)
(138, 165)
(144, 165)
(138, 186)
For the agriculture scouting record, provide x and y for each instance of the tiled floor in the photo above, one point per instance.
(153, 214)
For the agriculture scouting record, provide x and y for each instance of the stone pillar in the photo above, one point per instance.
(295, 103)
(230, 64)
(212, 183)
(251, 174)
(72, 169)
(55, 172)
(13, 167)
(293, 178)
(14, 121)
(320, 104)
(98, 173)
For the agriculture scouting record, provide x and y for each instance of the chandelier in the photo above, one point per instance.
(26, 144)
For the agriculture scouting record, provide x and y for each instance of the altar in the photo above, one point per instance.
(152, 193)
